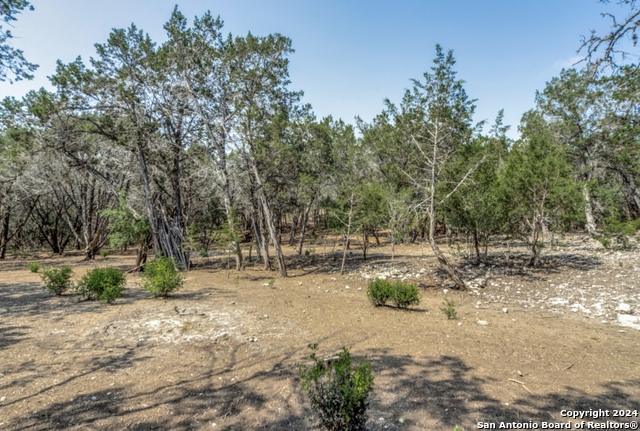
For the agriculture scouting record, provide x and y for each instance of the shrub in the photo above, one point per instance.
(401, 294)
(105, 284)
(57, 280)
(338, 390)
(160, 277)
(379, 292)
(405, 294)
(449, 309)
(33, 266)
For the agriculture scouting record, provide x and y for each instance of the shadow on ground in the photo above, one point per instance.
(445, 392)
(432, 393)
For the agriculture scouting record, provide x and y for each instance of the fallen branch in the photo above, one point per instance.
(521, 383)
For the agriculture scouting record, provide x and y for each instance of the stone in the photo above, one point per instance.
(623, 308)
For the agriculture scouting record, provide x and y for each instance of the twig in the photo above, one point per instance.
(569, 367)
(136, 269)
(521, 383)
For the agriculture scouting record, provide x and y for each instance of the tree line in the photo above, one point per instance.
(170, 148)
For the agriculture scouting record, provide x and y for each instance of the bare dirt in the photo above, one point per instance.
(223, 352)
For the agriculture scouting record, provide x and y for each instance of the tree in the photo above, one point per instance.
(12, 61)
(264, 107)
(538, 188)
(477, 208)
(606, 50)
(570, 103)
(439, 114)
(130, 100)
(596, 120)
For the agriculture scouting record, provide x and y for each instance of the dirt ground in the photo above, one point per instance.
(223, 352)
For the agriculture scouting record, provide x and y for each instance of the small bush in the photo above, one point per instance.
(338, 390)
(160, 277)
(104, 284)
(57, 280)
(401, 294)
(379, 292)
(33, 266)
(405, 294)
(104, 253)
(449, 309)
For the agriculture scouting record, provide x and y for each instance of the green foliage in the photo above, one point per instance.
(401, 294)
(624, 228)
(212, 228)
(405, 294)
(125, 226)
(33, 266)
(449, 309)
(104, 253)
(379, 292)
(538, 188)
(57, 280)
(160, 277)
(338, 390)
(104, 284)
(12, 60)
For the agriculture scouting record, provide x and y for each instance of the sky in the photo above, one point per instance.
(350, 54)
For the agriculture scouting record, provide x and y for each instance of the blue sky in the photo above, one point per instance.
(350, 54)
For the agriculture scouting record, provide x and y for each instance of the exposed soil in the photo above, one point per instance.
(223, 352)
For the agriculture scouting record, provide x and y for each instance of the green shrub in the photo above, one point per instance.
(379, 292)
(449, 309)
(105, 284)
(33, 266)
(401, 294)
(338, 390)
(405, 294)
(160, 277)
(104, 253)
(57, 280)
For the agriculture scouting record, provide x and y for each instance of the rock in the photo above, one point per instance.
(445, 291)
(505, 310)
(482, 265)
(347, 287)
(359, 289)
(629, 321)
(624, 308)
(459, 323)
(482, 322)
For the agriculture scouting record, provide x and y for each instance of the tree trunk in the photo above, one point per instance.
(292, 233)
(393, 243)
(535, 250)
(476, 244)
(588, 210)
(5, 235)
(444, 263)
(268, 218)
(303, 226)
(365, 244)
(347, 236)
(167, 235)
